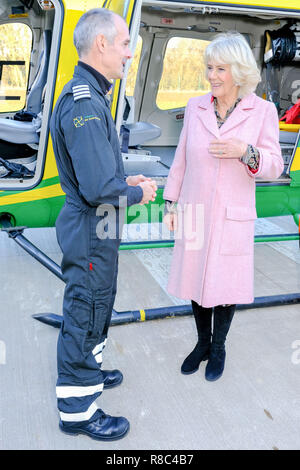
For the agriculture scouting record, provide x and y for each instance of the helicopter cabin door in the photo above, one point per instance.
(130, 10)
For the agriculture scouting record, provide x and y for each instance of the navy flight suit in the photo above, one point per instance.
(89, 229)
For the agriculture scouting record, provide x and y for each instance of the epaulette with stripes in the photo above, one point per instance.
(80, 92)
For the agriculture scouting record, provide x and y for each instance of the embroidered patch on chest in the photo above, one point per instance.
(80, 121)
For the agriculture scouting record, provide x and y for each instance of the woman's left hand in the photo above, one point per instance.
(230, 148)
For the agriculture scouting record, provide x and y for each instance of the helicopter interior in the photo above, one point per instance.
(167, 69)
(29, 32)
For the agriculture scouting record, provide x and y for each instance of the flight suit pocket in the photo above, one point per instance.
(90, 316)
(238, 231)
(79, 325)
(96, 232)
(99, 317)
(82, 312)
(104, 226)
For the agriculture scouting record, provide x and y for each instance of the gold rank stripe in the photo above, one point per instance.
(33, 195)
(143, 315)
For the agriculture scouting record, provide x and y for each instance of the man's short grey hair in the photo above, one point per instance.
(232, 48)
(94, 22)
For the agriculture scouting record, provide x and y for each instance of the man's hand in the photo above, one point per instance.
(230, 148)
(149, 191)
(136, 179)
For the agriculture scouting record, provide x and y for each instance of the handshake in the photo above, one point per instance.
(148, 186)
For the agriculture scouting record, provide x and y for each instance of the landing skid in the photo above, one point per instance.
(130, 316)
(118, 318)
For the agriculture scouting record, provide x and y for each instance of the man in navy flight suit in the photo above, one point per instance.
(89, 226)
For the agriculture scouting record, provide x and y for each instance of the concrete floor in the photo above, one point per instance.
(255, 405)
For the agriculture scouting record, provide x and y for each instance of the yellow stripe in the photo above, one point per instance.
(288, 127)
(113, 109)
(18, 15)
(33, 195)
(296, 162)
(143, 315)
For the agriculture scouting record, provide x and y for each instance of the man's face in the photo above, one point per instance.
(116, 54)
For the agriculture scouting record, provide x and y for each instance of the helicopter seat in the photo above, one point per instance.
(19, 136)
(135, 133)
(287, 137)
(140, 132)
(18, 132)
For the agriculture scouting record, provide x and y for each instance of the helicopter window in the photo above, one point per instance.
(15, 50)
(183, 73)
(132, 73)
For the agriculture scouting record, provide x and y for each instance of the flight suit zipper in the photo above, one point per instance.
(92, 319)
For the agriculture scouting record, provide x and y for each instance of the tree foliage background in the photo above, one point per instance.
(183, 74)
(15, 44)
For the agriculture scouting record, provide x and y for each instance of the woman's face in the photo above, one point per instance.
(221, 80)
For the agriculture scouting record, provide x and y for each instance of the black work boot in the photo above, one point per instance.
(103, 427)
(111, 378)
(222, 320)
(200, 352)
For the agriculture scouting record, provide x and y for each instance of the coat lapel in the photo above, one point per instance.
(206, 114)
(239, 114)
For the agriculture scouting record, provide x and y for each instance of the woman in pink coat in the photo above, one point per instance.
(230, 136)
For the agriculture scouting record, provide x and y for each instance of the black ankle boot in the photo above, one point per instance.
(222, 321)
(201, 351)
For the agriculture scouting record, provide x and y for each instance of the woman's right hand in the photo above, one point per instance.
(170, 220)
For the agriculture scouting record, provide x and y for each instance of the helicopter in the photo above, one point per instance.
(168, 37)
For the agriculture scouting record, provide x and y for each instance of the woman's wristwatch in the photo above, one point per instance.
(170, 207)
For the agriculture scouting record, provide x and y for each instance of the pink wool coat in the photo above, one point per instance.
(213, 255)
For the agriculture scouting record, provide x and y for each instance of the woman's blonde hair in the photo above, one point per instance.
(232, 48)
